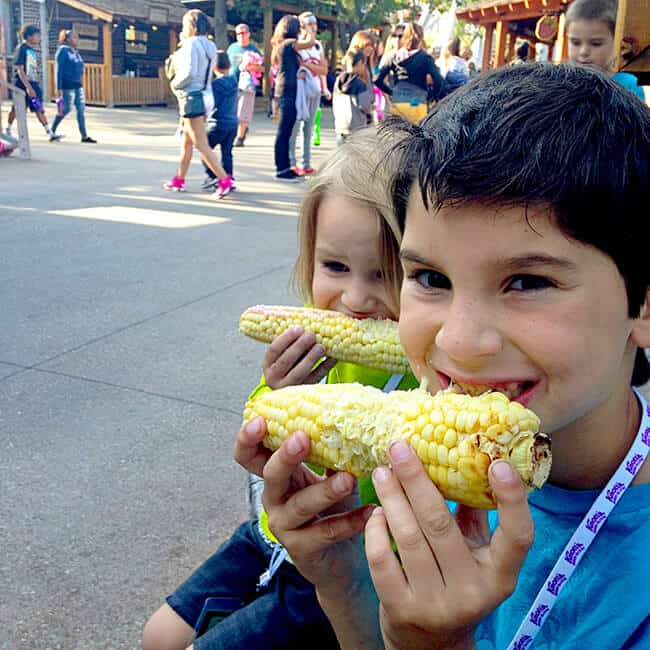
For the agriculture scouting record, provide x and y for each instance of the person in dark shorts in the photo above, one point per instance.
(26, 78)
(221, 126)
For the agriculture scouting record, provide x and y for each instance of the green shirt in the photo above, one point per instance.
(346, 373)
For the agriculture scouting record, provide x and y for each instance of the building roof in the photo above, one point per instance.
(493, 10)
(160, 12)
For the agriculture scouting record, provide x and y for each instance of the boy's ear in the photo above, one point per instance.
(641, 327)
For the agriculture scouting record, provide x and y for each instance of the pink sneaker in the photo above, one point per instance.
(177, 184)
(225, 187)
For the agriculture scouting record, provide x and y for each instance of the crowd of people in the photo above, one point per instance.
(528, 277)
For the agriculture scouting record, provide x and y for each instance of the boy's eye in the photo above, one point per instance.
(528, 283)
(431, 280)
(335, 267)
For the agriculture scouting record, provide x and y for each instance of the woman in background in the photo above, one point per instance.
(68, 74)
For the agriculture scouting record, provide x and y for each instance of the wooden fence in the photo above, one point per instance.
(123, 91)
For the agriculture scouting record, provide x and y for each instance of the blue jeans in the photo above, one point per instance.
(284, 615)
(307, 126)
(224, 137)
(76, 96)
(287, 108)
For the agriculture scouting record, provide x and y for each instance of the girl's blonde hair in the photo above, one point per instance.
(358, 170)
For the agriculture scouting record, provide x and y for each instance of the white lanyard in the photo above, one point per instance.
(585, 534)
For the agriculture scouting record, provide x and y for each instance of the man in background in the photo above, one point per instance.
(246, 96)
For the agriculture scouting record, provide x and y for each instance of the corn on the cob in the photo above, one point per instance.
(368, 342)
(455, 436)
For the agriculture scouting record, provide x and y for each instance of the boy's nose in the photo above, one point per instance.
(467, 336)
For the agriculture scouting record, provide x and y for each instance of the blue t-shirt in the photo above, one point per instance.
(605, 605)
(224, 114)
(235, 53)
(630, 82)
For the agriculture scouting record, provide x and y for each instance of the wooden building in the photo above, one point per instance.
(124, 44)
(543, 21)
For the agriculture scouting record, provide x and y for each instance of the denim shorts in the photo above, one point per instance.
(282, 616)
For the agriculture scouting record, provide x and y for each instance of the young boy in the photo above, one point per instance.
(26, 78)
(525, 266)
(353, 97)
(221, 127)
(590, 27)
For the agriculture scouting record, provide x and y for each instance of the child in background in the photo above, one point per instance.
(26, 78)
(530, 278)
(353, 102)
(347, 263)
(221, 127)
(590, 28)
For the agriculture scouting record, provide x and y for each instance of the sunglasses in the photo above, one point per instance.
(240, 33)
(310, 21)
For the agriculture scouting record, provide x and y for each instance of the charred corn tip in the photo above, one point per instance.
(371, 343)
(455, 436)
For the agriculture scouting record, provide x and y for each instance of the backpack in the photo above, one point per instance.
(170, 67)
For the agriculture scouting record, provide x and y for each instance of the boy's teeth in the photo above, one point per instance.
(511, 391)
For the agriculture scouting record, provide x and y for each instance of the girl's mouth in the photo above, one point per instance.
(515, 390)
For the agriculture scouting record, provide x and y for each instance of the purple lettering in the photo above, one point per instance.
(615, 492)
(596, 521)
(523, 642)
(555, 583)
(645, 437)
(537, 617)
(632, 465)
(572, 555)
(647, 409)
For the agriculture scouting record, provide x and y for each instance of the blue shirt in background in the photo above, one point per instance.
(235, 53)
(630, 82)
(224, 90)
(605, 605)
(69, 68)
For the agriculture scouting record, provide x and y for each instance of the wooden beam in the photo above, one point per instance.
(561, 41)
(173, 40)
(487, 47)
(268, 33)
(87, 9)
(500, 43)
(107, 41)
(619, 33)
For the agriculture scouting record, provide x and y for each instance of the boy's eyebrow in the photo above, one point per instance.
(518, 262)
(538, 259)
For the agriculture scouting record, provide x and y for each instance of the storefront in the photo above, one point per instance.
(123, 44)
(542, 24)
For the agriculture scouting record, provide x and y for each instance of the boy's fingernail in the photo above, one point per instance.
(340, 484)
(399, 451)
(381, 475)
(502, 471)
(294, 446)
(320, 350)
(253, 427)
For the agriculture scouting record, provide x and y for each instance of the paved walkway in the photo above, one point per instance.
(122, 373)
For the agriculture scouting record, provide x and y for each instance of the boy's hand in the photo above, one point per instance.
(316, 518)
(452, 574)
(289, 360)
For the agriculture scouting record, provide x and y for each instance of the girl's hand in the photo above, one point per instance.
(289, 360)
(452, 574)
(317, 519)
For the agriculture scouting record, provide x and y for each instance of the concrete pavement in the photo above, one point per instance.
(122, 373)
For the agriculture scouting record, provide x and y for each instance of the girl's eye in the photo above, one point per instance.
(335, 267)
(431, 280)
(529, 283)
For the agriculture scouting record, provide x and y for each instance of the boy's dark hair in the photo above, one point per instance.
(601, 10)
(454, 46)
(562, 135)
(223, 60)
(29, 31)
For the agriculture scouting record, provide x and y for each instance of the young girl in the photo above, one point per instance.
(348, 263)
(194, 62)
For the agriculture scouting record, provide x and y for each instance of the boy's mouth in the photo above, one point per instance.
(515, 390)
